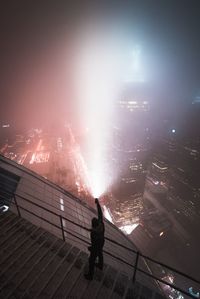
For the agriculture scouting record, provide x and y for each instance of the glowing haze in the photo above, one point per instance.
(103, 64)
(97, 75)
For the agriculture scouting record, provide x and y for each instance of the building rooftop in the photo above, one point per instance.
(44, 238)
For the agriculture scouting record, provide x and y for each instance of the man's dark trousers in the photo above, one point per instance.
(94, 253)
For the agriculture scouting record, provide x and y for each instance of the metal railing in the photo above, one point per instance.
(64, 232)
(34, 192)
(138, 254)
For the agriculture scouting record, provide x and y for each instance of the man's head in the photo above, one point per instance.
(95, 222)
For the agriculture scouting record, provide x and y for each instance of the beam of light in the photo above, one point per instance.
(107, 214)
(102, 64)
(97, 181)
(134, 71)
(97, 86)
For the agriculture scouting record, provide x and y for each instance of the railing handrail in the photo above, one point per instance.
(114, 256)
(111, 240)
(107, 238)
(38, 177)
(169, 267)
(75, 223)
(31, 173)
(40, 200)
(56, 187)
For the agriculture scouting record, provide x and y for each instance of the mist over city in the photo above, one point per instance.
(102, 98)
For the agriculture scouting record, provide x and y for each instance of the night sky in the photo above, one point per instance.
(37, 50)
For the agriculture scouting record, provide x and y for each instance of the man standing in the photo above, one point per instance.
(97, 242)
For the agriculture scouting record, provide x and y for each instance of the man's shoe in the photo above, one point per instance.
(88, 276)
(99, 266)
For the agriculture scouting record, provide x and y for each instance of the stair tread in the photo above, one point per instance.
(51, 268)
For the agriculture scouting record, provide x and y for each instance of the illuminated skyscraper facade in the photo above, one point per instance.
(131, 151)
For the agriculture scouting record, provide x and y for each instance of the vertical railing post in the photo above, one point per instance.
(15, 199)
(63, 233)
(135, 267)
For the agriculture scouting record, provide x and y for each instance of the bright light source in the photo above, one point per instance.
(97, 182)
(127, 229)
(101, 66)
(161, 234)
(97, 84)
(107, 214)
(173, 131)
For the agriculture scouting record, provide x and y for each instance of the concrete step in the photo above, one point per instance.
(59, 274)
(93, 288)
(10, 244)
(31, 264)
(49, 271)
(133, 291)
(36, 264)
(35, 271)
(66, 288)
(120, 286)
(4, 217)
(80, 284)
(18, 251)
(108, 283)
(17, 265)
(8, 223)
(44, 270)
(138, 290)
(12, 230)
